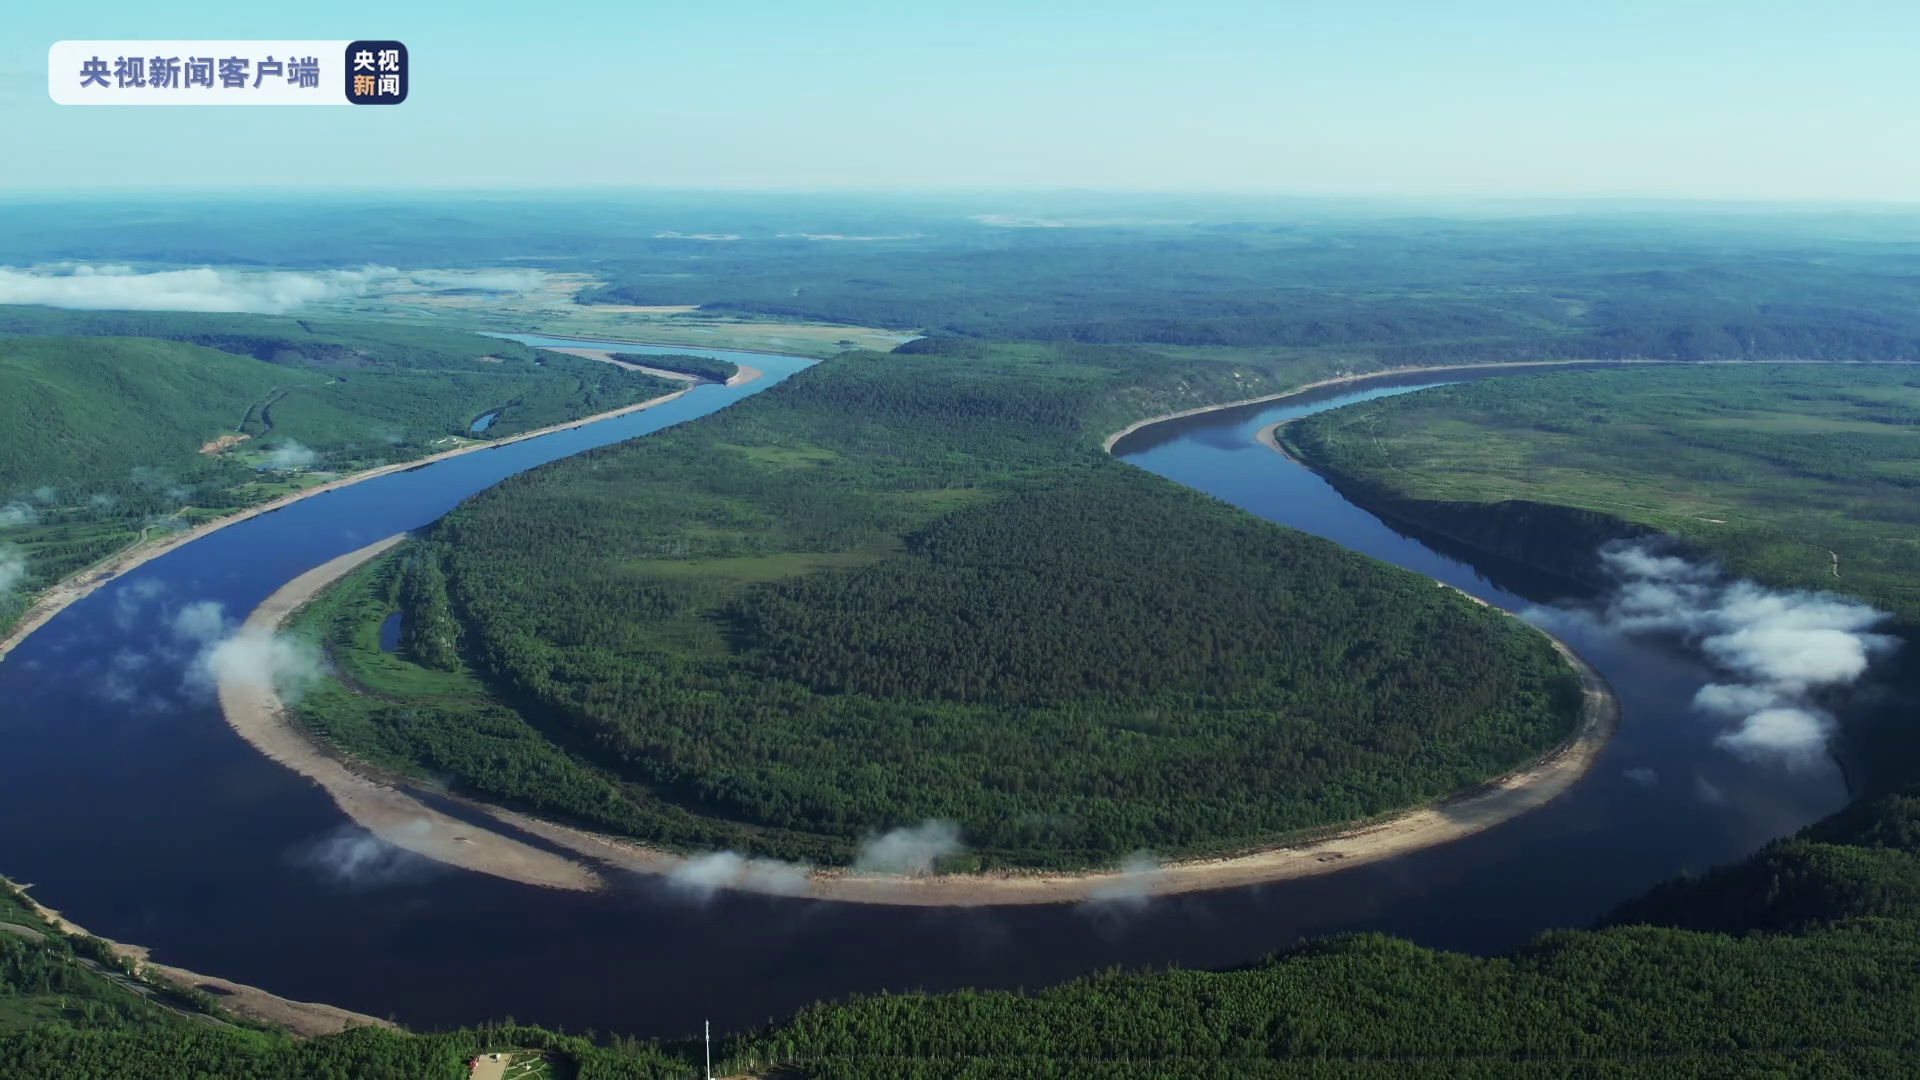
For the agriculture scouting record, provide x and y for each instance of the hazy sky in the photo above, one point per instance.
(1749, 99)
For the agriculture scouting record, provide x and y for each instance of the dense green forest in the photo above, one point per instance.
(114, 425)
(1403, 290)
(910, 586)
(1801, 960)
(707, 367)
(1800, 476)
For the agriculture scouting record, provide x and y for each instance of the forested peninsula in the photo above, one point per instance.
(127, 427)
(1796, 475)
(909, 588)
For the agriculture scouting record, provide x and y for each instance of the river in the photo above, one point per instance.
(139, 814)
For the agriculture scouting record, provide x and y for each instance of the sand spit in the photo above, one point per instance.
(606, 356)
(1269, 437)
(1366, 376)
(55, 600)
(254, 710)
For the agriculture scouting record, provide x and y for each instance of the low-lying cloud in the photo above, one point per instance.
(18, 513)
(269, 661)
(290, 455)
(13, 570)
(132, 599)
(252, 658)
(355, 858)
(911, 851)
(701, 876)
(1133, 888)
(266, 292)
(1776, 651)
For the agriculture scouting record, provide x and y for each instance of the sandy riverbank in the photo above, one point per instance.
(253, 708)
(410, 823)
(1269, 437)
(303, 1018)
(54, 600)
(745, 374)
(403, 819)
(1343, 380)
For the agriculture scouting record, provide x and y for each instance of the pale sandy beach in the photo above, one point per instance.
(606, 356)
(405, 820)
(303, 1018)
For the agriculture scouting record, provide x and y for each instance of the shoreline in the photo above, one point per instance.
(57, 597)
(689, 346)
(1269, 437)
(395, 814)
(743, 373)
(305, 1019)
(1383, 373)
(253, 709)
(401, 818)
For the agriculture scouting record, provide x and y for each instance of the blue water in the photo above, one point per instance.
(483, 423)
(390, 633)
(139, 814)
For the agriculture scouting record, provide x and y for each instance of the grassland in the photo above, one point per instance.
(1800, 476)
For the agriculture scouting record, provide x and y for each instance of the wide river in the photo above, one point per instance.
(135, 810)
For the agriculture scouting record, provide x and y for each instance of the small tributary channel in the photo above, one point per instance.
(137, 812)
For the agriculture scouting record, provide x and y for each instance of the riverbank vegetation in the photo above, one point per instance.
(1798, 476)
(132, 423)
(706, 367)
(911, 587)
(1792, 962)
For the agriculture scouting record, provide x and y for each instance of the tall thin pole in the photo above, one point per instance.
(708, 1027)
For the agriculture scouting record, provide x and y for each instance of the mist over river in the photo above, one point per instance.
(134, 810)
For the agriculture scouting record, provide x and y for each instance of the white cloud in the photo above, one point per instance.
(1733, 701)
(13, 570)
(1133, 888)
(500, 281)
(911, 850)
(1779, 648)
(15, 514)
(202, 622)
(129, 600)
(252, 658)
(355, 858)
(1643, 777)
(268, 292)
(700, 876)
(290, 455)
(1797, 735)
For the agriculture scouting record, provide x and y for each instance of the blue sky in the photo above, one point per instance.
(1751, 100)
